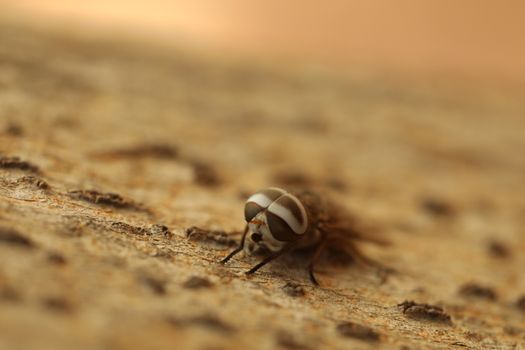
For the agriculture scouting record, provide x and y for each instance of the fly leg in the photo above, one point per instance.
(271, 257)
(317, 253)
(238, 249)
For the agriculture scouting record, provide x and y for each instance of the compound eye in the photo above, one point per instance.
(261, 200)
(251, 209)
(289, 209)
(279, 229)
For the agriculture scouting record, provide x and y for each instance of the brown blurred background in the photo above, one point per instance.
(124, 167)
(467, 39)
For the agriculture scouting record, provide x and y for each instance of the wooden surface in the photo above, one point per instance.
(123, 147)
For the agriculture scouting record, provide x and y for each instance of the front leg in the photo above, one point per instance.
(271, 257)
(238, 249)
(318, 250)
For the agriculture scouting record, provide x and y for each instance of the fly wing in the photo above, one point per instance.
(335, 220)
(340, 224)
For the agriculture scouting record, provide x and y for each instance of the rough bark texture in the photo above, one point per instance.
(121, 150)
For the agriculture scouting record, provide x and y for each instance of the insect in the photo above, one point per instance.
(279, 221)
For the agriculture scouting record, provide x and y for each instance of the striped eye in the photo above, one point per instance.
(280, 230)
(261, 200)
(251, 209)
(287, 217)
(284, 214)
